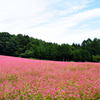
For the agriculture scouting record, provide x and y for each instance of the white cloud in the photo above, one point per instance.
(47, 19)
(80, 35)
(62, 28)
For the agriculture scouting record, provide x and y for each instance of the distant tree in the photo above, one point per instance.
(96, 58)
(65, 52)
(29, 47)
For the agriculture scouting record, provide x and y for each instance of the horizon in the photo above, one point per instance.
(56, 21)
(51, 41)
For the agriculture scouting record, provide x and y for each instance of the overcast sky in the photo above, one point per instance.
(60, 21)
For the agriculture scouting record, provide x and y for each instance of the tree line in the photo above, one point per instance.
(29, 47)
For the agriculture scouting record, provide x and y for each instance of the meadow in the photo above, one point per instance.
(27, 79)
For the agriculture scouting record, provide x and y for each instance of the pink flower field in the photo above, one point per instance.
(27, 79)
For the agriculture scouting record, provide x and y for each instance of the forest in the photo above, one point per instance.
(29, 47)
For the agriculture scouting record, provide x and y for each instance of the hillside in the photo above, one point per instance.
(27, 79)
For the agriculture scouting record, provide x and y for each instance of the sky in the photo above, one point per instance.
(59, 21)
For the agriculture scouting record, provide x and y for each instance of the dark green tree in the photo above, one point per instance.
(29, 47)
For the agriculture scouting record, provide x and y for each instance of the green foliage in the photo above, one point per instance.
(27, 53)
(28, 47)
(96, 58)
(21, 98)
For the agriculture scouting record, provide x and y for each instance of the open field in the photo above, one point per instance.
(26, 79)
